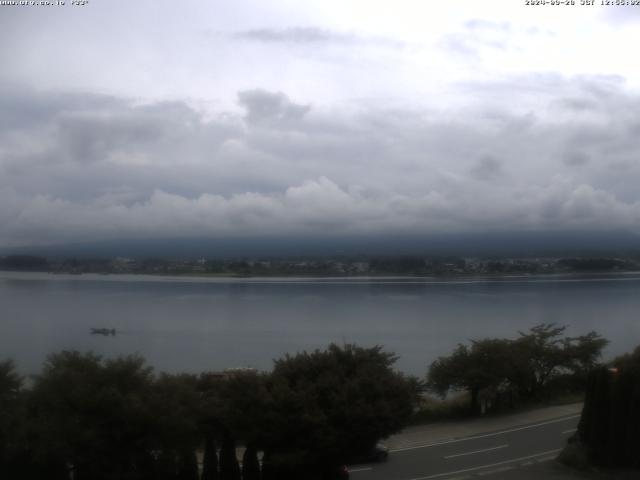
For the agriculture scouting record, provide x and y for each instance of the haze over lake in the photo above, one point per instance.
(193, 324)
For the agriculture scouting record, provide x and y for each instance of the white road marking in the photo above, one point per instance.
(571, 430)
(545, 459)
(465, 439)
(477, 451)
(481, 467)
(495, 470)
(363, 469)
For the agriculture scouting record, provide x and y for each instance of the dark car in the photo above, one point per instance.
(343, 473)
(379, 453)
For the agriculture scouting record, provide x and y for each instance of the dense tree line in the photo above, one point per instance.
(594, 264)
(498, 371)
(89, 418)
(24, 262)
(342, 265)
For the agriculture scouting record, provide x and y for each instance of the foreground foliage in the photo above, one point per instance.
(349, 397)
(95, 419)
(609, 428)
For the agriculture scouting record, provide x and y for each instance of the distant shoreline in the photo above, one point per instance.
(398, 266)
(353, 279)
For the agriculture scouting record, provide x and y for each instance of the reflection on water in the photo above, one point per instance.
(194, 324)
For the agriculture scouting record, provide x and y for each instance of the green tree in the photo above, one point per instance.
(482, 366)
(542, 354)
(597, 423)
(174, 401)
(328, 406)
(11, 418)
(609, 427)
(584, 352)
(233, 406)
(93, 414)
(242, 400)
(524, 366)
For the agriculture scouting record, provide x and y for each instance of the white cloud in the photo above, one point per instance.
(105, 167)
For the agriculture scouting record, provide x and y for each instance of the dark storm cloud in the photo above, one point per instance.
(106, 167)
(311, 35)
(266, 107)
(125, 146)
(86, 137)
(21, 108)
(487, 168)
(576, 159)
(577, 104)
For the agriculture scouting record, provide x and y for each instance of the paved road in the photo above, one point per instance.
(474, 456)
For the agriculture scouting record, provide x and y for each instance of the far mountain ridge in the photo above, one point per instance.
(502, 244)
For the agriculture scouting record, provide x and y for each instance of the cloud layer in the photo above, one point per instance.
(158, 118)
(77, 167)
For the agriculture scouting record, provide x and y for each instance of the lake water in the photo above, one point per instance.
(191, 324)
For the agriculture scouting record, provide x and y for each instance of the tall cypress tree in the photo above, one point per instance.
(229, 468)
(587, 419)
(210, 460)
(250, 464)
(167, 466)
(633, 435)
(267, 472)
(188, 466)
(621, 395)
(602, 418)
(610, 422)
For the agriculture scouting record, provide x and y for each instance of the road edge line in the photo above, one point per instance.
(504, 462)
(485, 435)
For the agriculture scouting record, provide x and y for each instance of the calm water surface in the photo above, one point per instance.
(182, 324)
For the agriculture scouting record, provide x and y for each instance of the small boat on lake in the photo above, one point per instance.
(103, 331)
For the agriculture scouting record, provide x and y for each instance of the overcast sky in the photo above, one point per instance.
(156, 118)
